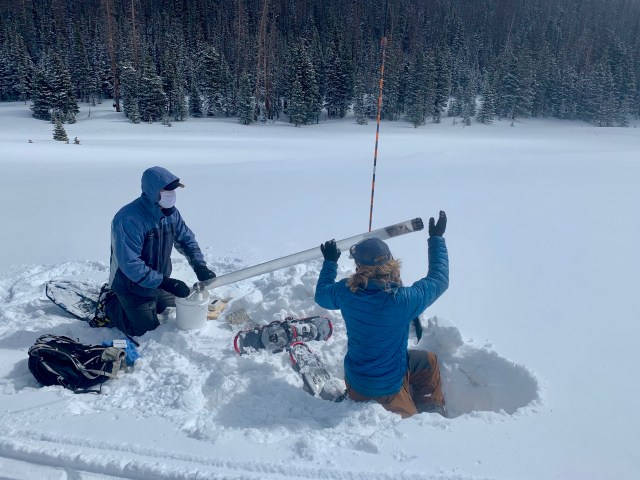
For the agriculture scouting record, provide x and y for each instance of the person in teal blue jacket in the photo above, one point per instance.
(377, 312)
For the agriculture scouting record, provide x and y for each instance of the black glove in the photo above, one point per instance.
(330, 250)
(437, 229)
(175, 287)
(419, 225)
(203, 273)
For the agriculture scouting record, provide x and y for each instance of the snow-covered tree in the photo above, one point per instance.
(216, 83)
(303, 92)
(439, 82)
(339, 81)
(195, 102)
(417, 96)
(487, 110)
(41, 94)
(130, 91)
(152, 101)
(64, 105)
(174, 80)
(246, 101)
(359, 108)
(59, 133)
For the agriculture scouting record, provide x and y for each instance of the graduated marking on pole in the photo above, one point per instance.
(375, 150)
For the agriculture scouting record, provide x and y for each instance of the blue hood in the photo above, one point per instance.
(155, 179)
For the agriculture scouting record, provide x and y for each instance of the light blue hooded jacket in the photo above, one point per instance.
(378, 319)
(143, 235)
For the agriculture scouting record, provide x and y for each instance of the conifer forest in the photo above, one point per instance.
(308, 60)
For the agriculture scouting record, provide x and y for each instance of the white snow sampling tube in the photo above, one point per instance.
(307, 255)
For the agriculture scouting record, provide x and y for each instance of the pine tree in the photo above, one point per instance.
(216, 84)
(246, 102)
(152, 102)
(41, 95)
(80, 69)
(509, 88)
(316, 51)
(195, 102)
(174, 81)
(487, 111)
(130, 91)
(543, 89)
(359, 109)
(12, 52)
(5, 71)
(297, 106)
(440, 84)
(59, 132)
(393, 79)
(304, 93)
(455, 106)
(417, 92)
(604, 101)
(101, 74)
(515, 89)
(24, 69)
(339, 89)
(63, 104)
(624, 82)
(469, 90)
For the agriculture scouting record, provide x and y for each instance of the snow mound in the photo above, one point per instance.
(194, 383)
(476, 379)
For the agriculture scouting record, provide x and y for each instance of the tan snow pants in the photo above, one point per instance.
(421, 389)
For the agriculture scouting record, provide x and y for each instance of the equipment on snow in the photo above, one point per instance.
(216, 307)
(383, 43)
(60, 360)
(192, 312)
(237, 317)
(310, 368)
(83, 301)
(76, 298)
(127, 345)
(278, 335)
(385, 233)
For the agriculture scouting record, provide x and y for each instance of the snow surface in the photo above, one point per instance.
(540, 374)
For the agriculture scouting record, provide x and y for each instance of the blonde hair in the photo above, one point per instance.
(386, 274)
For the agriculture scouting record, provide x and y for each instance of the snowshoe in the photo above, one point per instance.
(100, 317)
(81, 300)
(310, 368)
(278, 335)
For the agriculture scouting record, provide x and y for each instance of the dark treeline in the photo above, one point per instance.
(257, 60)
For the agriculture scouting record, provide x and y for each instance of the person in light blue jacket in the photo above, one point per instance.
(143, 234)
(377, 312)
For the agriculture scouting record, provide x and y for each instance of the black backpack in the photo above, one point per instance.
(60, 360)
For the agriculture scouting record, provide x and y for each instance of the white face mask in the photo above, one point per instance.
(167, 198)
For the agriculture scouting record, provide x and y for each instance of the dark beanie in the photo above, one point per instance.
(371, 251)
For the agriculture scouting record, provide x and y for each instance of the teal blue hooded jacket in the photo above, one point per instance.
(378, 320)
(143, 236)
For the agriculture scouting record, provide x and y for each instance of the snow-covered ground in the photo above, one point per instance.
(543, 240)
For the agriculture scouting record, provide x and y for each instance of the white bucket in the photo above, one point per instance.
(191, 312)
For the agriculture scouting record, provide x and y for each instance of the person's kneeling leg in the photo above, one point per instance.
(132, 314)
(424, 378)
